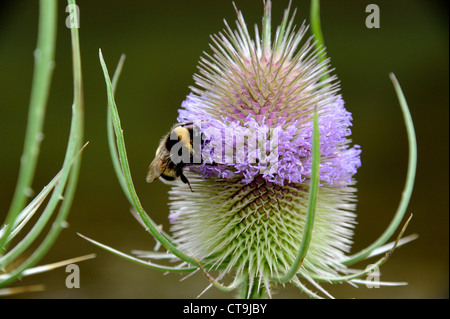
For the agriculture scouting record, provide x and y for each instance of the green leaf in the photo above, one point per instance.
(151, 226)
(137, 260)
(312, 202)
(409, 185)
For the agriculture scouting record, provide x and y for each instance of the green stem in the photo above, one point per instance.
(250, 290)
(69, 172)
(317, 32)
(43, 70)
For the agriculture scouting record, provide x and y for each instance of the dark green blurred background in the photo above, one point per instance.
(163, 42)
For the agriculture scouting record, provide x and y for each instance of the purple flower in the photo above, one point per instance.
(254, 102)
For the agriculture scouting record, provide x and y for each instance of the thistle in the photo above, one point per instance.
(273, 196)
(248, 218)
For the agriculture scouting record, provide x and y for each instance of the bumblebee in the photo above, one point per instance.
(175, 151)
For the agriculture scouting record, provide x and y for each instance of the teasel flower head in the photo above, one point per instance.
(265, 147)
(254, 103)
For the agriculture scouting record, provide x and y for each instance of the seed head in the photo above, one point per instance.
(254, 101)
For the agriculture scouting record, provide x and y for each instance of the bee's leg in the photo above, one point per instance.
(185, 180)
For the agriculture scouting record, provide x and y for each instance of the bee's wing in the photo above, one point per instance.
(156, 168)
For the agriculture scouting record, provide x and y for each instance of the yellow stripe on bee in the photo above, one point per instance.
(183, 136)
